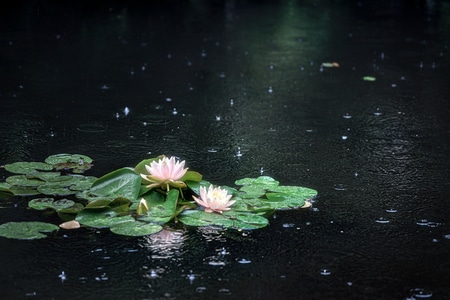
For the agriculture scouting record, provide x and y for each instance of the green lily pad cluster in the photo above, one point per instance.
(122, 201)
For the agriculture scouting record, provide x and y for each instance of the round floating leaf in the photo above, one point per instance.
(41, 203)
(55, 190)
(50, 203)
(27, 167)
(48, 176)
(26, 230)
(67, 158)
(135, 228)
(229, 219)
(24, 191)
(101, 218)
(74, 209)
(23, 181)
(299, 191)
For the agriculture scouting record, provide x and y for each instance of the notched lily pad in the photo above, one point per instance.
(77, 163)
(26, 230)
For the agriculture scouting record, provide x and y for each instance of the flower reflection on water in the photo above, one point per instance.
(165, 244)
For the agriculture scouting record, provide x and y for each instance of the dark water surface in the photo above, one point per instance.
(236, 88)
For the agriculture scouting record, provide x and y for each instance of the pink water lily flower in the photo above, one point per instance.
(214, 199)
(165, 172)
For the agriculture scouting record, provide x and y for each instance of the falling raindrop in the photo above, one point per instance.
(238, 153)
(126, 111)
(261, 170)
(62, 276)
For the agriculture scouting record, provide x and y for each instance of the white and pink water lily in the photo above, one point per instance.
(214, 199)
(165, 172)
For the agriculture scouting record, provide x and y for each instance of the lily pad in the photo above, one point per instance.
(135, 228)
(101, 219)
(65, 158)
(24, 167)
(50, 203)
(123, 182)
(230, 219)
(26, 230)
(164, 212)
(23, 181)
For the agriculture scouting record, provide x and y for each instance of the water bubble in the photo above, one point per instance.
(382, 220)
(349, 283)
(126, 111)
(174, 112)
(104, 87)
(344, 137)
(288, 225)
(261, 170)
(203, 53)
(447, 236)
(218, 118)
(394, 85)
(270, 90)
(421, 64)
(391, 210)
(200, 289)
(231, 102)
(168, 99)
(325, 272)
(347, 116)
(212, 150)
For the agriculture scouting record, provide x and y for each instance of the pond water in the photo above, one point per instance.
(238, 89)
